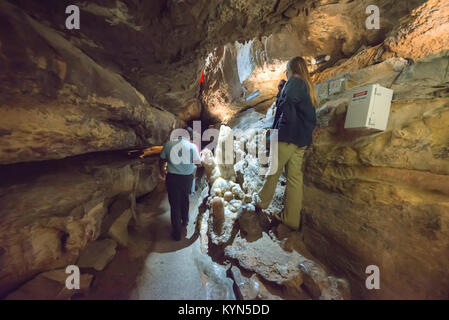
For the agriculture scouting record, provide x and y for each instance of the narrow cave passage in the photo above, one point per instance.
(85, 113)
(154, 267)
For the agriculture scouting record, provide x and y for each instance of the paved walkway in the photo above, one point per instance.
(155, 267)
(170, 270)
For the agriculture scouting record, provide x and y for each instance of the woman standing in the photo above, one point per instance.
(295, 119)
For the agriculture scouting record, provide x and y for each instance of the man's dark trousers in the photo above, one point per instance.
(178, 189)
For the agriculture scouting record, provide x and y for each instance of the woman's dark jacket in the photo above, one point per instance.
(295, 116)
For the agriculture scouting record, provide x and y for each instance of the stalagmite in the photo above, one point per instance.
(217, 214)
(228, 196)
(225, 153)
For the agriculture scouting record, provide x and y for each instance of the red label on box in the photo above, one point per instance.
(360, 94)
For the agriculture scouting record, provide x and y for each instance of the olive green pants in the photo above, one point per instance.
(290, 156)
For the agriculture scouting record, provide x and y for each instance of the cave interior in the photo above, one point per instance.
(90, 90)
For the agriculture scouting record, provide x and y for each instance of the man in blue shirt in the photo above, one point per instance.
(181, 157)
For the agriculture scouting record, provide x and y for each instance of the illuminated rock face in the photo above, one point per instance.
(407, 30)
(167, 64)
(224, 156)
(381, 198)
(422, 33)
(370, 199)
(386, 195)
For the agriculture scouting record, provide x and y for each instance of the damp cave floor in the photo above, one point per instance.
(153, 266)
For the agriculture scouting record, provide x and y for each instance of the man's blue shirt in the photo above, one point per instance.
(180, 155)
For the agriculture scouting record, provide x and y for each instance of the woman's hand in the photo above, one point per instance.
(281, 85)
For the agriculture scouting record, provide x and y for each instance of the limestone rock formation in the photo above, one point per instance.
(208, 161)
(160, 46)
(236, 71)
(251, 288)
(224, 157)
(252, 163)
(389, 186)
(57, 102)
(223, 217)
(234, 226)
(167, 73)
(375, 198)
(268, 259)
(289, 270)
(419, 34)
(320, 285)
(50, 212)
(249, 224)
(119, 229)
(386, 195)
(217, 213)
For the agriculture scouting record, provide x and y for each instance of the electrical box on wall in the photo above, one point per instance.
(369, 108)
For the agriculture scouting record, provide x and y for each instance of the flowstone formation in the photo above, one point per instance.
(253, 242)
(370, 198)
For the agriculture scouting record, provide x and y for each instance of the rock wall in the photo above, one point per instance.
(382, 199)
(374, 198)
(57, 102)
(412, 29)
(59, 109)
(121, 82)
(160, 46)
(50, 211)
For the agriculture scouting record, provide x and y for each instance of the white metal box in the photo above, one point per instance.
(369, 108)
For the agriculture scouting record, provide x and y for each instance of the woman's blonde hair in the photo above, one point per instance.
(298, 66)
